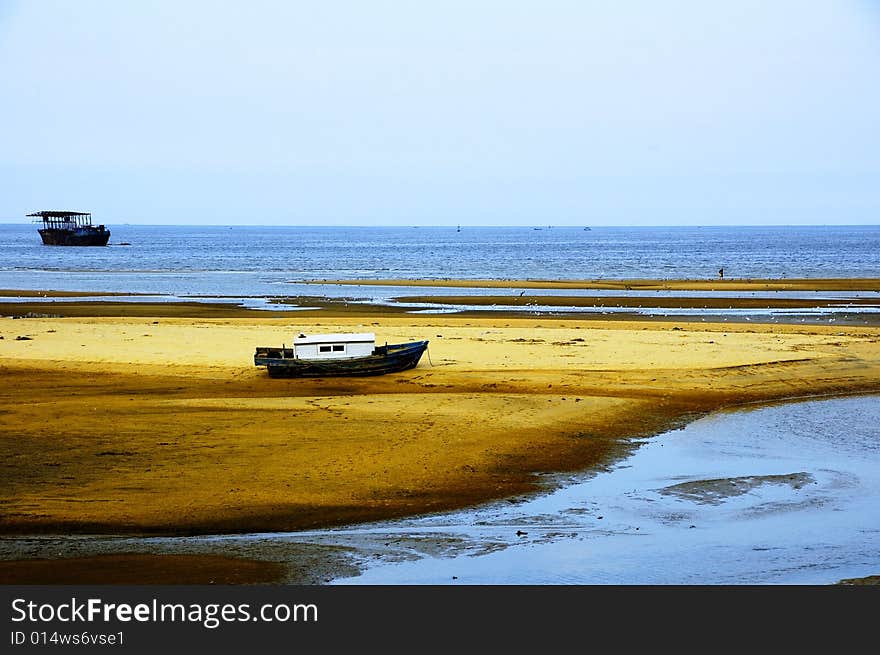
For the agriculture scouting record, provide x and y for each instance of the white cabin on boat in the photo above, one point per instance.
(334, 346)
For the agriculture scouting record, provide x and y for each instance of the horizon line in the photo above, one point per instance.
(534, 226)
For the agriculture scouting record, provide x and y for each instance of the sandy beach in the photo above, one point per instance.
(130, 418)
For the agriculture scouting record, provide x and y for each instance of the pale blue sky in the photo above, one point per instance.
(442, 113)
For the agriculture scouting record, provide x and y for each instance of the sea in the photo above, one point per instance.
(246, 264)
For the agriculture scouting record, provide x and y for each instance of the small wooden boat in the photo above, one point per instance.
(334, 355)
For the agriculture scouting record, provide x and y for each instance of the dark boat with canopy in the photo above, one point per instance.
(63, 228)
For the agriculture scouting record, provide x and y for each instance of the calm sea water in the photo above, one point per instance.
(253, 260)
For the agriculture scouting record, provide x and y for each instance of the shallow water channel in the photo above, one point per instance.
(785, 494)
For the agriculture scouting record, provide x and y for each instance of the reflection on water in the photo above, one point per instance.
(788, 494)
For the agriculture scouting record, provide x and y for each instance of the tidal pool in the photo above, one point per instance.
(783, 494)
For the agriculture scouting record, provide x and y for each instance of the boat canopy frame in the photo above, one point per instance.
(62, 219)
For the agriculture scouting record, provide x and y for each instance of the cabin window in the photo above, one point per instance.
(323, 349)
(338, 348)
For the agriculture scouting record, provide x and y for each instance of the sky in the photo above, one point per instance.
(477, 112)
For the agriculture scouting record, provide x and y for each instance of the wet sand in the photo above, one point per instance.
(140, 569)
(721, 284)
(50, 293)
(89, 309)
(638, 301)
(484, 307)
(114, 421)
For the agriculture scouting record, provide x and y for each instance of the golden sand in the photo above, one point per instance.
(162, 424)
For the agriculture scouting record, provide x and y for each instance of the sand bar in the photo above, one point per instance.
(639, 302)
(30, 293)
(725, 284)
(163, 425)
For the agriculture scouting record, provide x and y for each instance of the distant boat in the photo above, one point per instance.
(587, 229)
(63, 228)
(336, 355)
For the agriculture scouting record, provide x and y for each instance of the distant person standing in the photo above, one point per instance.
(721, 273)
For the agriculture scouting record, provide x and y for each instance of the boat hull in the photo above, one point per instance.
(58, 237)
(279, 362)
